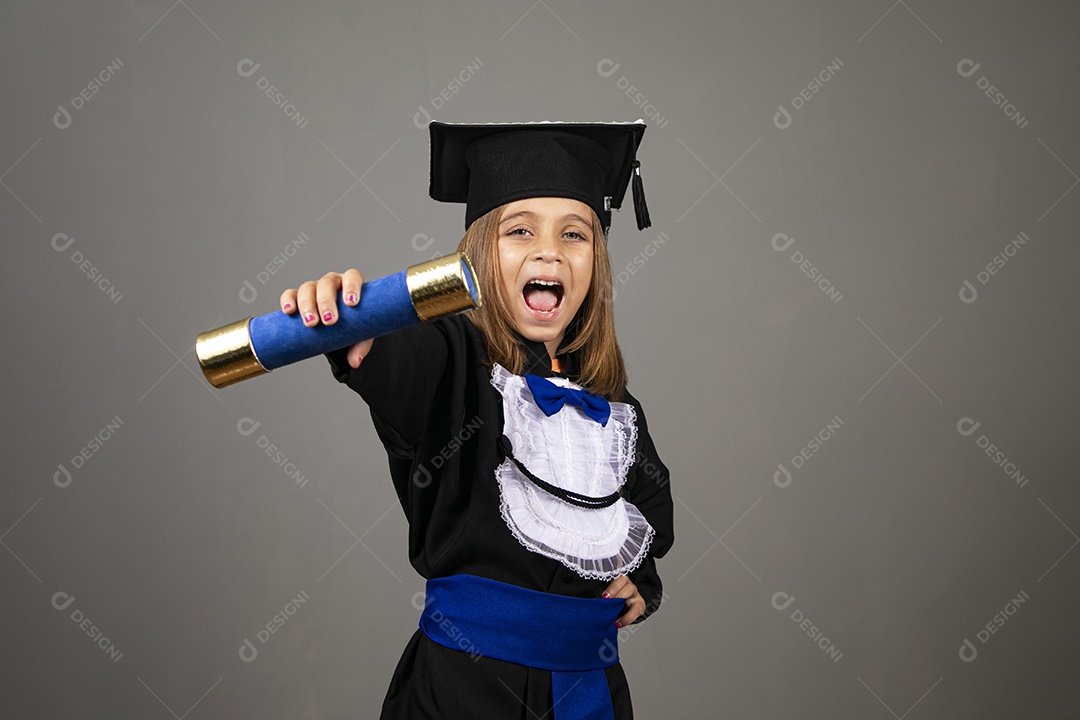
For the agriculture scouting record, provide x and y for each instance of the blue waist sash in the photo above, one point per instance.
(574, 638)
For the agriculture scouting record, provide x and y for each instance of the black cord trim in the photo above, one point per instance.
(568, 496)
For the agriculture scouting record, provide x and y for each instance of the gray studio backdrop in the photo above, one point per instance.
(852, 326)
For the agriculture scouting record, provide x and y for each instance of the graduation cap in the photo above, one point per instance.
(488, 165)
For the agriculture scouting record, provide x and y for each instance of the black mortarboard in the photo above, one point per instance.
(485, 166)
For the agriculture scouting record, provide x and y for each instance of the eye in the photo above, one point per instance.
(519, 231)
(575, 235)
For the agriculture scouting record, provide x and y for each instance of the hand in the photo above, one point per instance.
(317, 302)
(621, 587)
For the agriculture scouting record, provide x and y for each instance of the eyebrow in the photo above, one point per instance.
(530, 214)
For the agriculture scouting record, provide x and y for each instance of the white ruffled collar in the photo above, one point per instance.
(576, 453)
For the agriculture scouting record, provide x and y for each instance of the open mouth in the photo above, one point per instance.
(543, 296)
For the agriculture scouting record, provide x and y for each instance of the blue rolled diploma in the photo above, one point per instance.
(257, 345)
(385, 306)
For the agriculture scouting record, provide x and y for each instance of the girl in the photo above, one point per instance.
(535, 499)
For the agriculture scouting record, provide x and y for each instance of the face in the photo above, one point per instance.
(545, 264)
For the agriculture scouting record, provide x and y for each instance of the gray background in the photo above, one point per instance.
(900, 538)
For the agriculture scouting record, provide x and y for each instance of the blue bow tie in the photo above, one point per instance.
(551, 397)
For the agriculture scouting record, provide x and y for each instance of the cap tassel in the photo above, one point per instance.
(641, 210)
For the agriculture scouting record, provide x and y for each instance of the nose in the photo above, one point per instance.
(548, 247)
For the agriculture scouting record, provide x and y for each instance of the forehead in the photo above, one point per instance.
(549, 207)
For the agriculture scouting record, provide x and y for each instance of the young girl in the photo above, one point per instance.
(535, 499)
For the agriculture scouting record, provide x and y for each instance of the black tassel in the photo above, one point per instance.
(641, 210)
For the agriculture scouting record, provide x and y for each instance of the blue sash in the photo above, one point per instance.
(574, 638)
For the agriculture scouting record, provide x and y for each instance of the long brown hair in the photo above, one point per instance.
(590, 334)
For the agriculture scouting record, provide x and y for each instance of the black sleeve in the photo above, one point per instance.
(398, 379)
(649, 490)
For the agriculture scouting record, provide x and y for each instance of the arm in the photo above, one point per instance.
(650, 492)
(398, 377)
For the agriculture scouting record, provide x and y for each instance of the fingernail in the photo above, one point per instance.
(351, 298)
(606, 595)
(358, 361)
(328, 316)
(309, 317)
(618, 624)
(288, 306)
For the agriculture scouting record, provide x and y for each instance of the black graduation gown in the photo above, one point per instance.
(434, 408)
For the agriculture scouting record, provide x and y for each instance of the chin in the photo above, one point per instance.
(542, 334)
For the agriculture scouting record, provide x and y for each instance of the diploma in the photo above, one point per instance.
(256, 345)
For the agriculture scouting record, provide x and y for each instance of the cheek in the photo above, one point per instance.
(506, 271)
(583, 272)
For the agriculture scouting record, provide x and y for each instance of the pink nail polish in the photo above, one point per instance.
(288, 306)
(351, 298)
(309, 317)
(606, 595)
(328, 316)
(618, 624)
